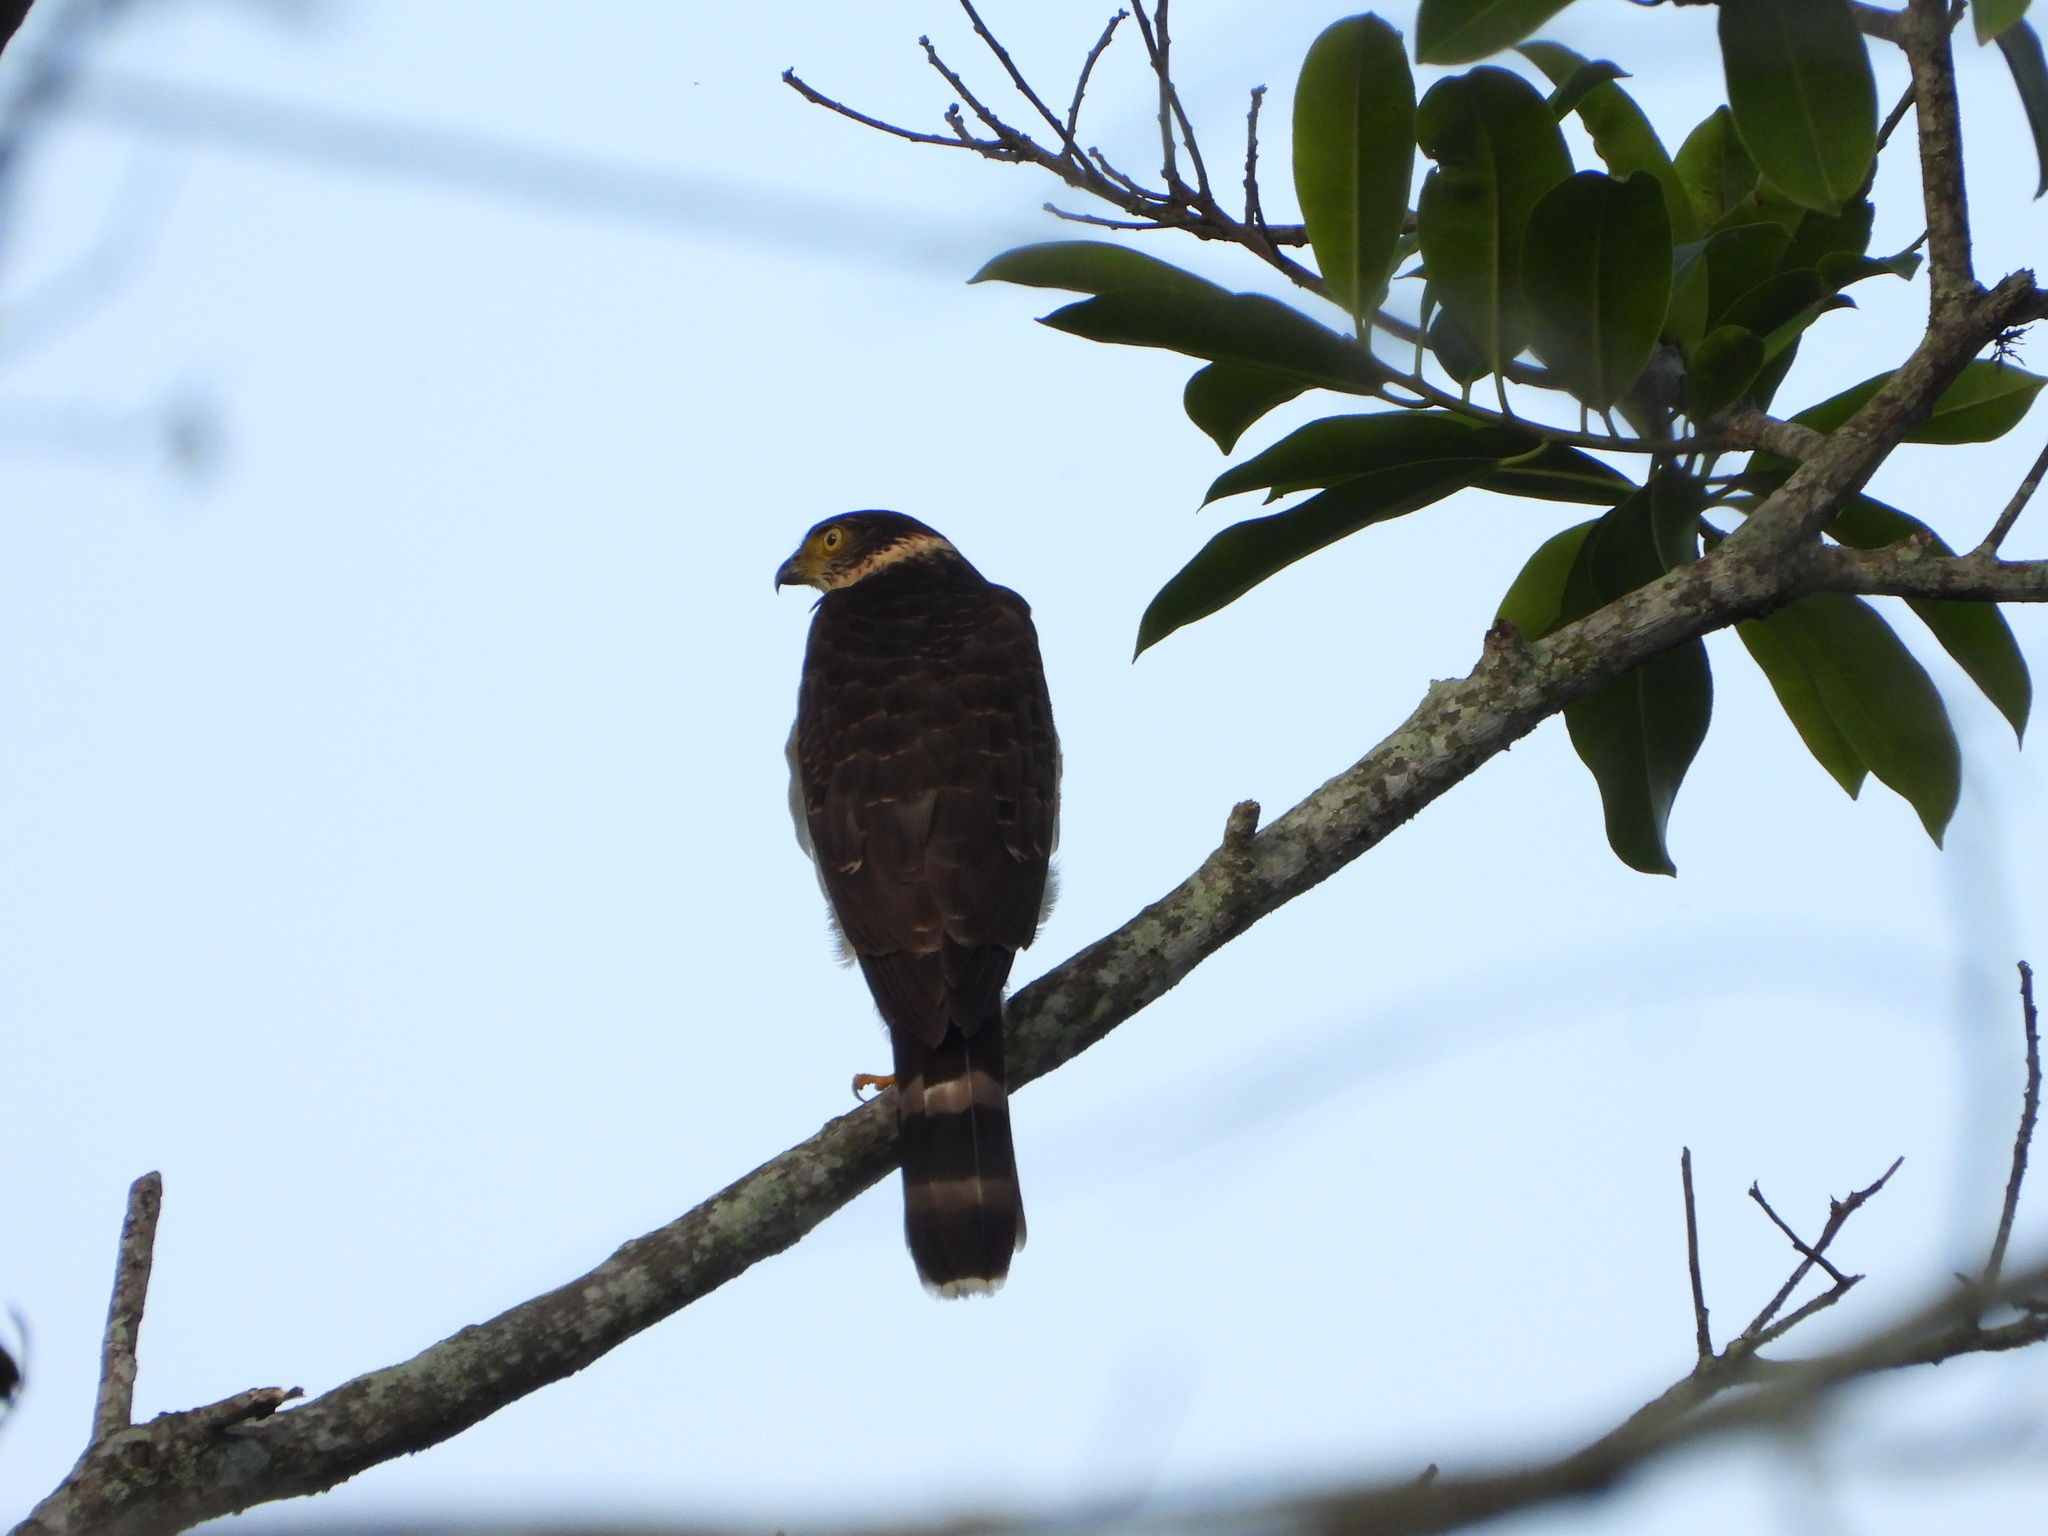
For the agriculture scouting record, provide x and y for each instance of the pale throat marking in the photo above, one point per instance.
(907, 548)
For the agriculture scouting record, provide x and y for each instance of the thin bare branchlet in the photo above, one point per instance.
(2030, 1114)
(1703, 1335)
(1254, 208)
(2018, 504)
(1088, 64)
(1894, 117)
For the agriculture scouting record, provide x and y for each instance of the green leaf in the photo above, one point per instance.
(1533, 599)
(1231, 327)
(1714, 168)
(1882, 702)
(1978, 640)
(1800, 87)
(1841, 270)
(2022, 49)
(1497, 151)
(1455, 351)
(1738, 260)
(1354, 154)
(1245, 554)
(1459, 31)
(1340, 447)
(1821, 235)
(1583, 76)
(1596, 272)
(1686, 320)
(1720, 371)
(1975, 635)
(1091, 266)
(1225, 398)
(1640, 732)
(1799, 695)
(1987, 400)
(1622, 135)
(1775, 301)
(1994, 17)
(1557, 473)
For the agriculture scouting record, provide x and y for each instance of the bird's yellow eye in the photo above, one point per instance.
(832, 538)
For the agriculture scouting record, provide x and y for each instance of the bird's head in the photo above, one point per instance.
(845, 549)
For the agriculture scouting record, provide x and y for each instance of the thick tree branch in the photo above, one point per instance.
(1950, 279)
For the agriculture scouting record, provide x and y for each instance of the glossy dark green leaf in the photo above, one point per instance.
(1232, 327)
(1738, 260)
(1497, 150)
(1639, 733)
(1765, 389)
(1685, 322)
(1582, 77)
(1774, 302)
(1557, 473)
(1225, 398)
(1091, 266)
(1245, 554)
(1532, 601)
(1714, 168)
(1354, 154)
(1800, 87)
(1596, 273)
(1993, 17)
(1841, 270)
(1720, 371)
(1818, 236)
(1454, 350)
(1881, 700)
(2022, 49)
(1986, 401)
(1340, 447)
(1459, 31)
(1799, 695)
(1975, 635)
(1621, 134)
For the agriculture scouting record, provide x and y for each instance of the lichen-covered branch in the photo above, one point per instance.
(1926, 27)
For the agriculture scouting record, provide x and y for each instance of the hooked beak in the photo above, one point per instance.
(791, 574)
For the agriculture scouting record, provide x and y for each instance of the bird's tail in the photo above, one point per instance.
(962, 1212)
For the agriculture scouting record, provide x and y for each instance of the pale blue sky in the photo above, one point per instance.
(393, 847)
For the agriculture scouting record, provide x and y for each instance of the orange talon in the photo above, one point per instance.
(869, 1080)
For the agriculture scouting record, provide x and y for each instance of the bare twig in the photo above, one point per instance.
(819, 99)
(1064, 129)
(2030, 1113)
(2016, 506)
(1087, 72)
(1896, 116)
(115, 1408)
(1703, 1336)
(1811, 1254)
(1254, 212)
(1761, 1330)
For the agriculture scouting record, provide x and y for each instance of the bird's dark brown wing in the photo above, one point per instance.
(929, 777)
(930, 774)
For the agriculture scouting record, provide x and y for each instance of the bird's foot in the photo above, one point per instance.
(869, 1080)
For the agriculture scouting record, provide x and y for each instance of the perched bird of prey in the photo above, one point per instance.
(924, 779)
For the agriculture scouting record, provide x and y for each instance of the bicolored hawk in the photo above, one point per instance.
(924, 780)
